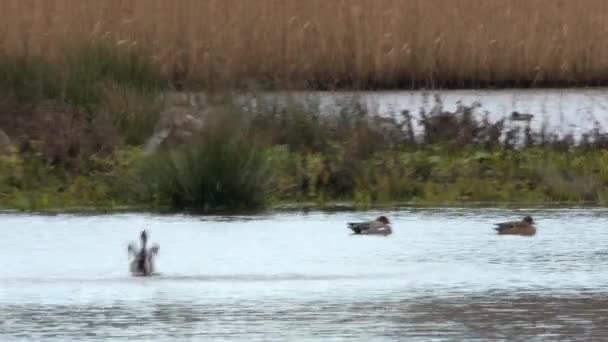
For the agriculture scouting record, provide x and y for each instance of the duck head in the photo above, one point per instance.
(144, 238)
(528, 220)
(383, 219)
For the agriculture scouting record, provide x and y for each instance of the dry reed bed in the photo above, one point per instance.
(337, 43)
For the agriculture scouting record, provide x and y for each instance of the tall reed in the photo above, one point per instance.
(327, 44)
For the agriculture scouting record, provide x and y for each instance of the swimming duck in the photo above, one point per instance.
(517, 116)
(523, 227)
(380, 226)
(142, 262)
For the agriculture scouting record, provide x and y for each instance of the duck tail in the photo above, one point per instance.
(500, 229)
(354, 228)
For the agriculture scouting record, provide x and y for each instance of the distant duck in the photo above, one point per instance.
(523, 227)
(517, 116)
(380, 226)
(142, 262)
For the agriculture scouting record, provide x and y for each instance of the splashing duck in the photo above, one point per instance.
(142, 263)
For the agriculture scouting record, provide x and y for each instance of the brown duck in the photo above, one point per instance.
(380, 226)
(523, 227)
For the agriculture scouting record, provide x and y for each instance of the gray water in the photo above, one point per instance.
(443, 275)
(563, 111)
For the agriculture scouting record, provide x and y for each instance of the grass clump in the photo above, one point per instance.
(90, 100)
(27, 80)
(96, 65)
(79, 75)
(212, 173)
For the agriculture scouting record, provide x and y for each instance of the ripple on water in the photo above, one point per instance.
(444, 274)
(489, 316)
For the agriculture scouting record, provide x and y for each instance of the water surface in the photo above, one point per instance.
(442, 275)
(563, 110)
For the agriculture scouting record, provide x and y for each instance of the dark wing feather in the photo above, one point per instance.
(505, 225)
(358, 227)
(132, 249)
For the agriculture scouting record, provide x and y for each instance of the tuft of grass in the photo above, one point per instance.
(27, 80)
(78, 76)
(222, 172)
(133, 113)
(95, 64)
(90, 99)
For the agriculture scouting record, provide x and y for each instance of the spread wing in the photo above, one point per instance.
(154, 249)
(132, 249)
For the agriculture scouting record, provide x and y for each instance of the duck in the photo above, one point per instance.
(380, 226)
(142, 262)
(517, 116)
(524, 227)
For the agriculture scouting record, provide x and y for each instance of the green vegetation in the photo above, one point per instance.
(79, 126)
(222, 172)
(79, 76)
(105, 84)
(203, 177)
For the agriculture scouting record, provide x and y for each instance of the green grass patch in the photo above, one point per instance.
(214, 173)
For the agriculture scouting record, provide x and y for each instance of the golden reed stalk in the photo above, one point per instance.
(342, 43)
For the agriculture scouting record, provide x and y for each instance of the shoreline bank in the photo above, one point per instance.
(90, 132)
(306, 207)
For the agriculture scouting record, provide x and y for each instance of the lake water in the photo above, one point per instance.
(443, 275)
(564, 111)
